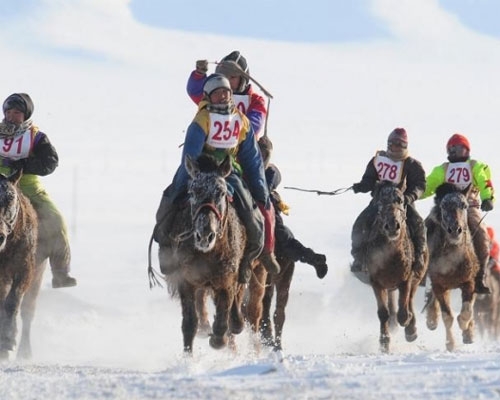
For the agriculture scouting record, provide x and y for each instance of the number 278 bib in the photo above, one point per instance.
(387, 169)
(224, 130)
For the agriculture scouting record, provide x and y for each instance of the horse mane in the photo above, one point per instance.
(447, 188)
(207, 163)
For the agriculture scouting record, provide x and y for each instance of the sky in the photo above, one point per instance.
(109, 90)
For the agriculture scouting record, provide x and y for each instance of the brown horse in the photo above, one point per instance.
(389, 259)
(207, 244)
(487, 308)
(453, 262)
(18, 238)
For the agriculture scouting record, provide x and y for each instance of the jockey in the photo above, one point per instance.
(286, 242)
(237, 140)
(35, 155)
(234, 66)
(397, 166)
(494, 251)
(466, 173)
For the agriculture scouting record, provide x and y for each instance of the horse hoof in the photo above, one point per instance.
(411, 337)
(218, 342)
(467, 338)
(204, 331)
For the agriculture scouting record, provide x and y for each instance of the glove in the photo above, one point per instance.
(408, 199)
(18, 164)
(487, 205)
(356, 187)
(202, 66)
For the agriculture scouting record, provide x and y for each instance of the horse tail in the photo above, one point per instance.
(152, 273)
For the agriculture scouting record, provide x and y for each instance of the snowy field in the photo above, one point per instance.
(117, 112)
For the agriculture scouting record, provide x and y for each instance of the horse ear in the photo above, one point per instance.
(225, 167)
(191, 166)
(15, 177)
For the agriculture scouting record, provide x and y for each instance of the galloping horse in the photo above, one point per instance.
(18, 237)
(389, 259)
(453, 262)
(207, 244)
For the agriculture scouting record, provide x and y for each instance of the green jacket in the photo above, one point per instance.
(481, 180)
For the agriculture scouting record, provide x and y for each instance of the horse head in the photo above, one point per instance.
(391, 213)
(9, 206)
(208, 199)
(452, 205)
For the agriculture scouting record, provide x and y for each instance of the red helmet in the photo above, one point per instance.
(458, 139)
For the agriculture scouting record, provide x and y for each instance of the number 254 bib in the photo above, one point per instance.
(224, 130)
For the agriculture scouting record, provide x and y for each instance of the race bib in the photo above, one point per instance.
(224, 130)
(16, 147)
(241, 101)
(459, 174)
(387, 169)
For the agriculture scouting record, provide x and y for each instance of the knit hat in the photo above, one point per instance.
(456, 140)
(21, 102)
(398, 134)
(233, 65)
(215, 81)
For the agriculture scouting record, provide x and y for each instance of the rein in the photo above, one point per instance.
(319, 192)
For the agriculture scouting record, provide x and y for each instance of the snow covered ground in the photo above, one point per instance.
(117, 113)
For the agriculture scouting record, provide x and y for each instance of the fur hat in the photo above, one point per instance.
(398, 134)
(21, 102)
(458, 140)
(215, 81)
(231, 64)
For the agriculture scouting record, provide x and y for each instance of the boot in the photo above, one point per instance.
(318, 261)
(481, 287)
(268, 259)
(62, 279)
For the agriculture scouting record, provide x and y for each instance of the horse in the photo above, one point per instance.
(487, 308)
(453, 262)
(207, 244)
(18, 268)
(388, 260)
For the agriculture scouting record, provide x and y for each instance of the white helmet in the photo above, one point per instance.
(215, 81)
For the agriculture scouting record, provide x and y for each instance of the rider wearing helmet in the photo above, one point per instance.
(36, 156)
(202, 136)
(235, 68)
(474, 176)
(408, 174)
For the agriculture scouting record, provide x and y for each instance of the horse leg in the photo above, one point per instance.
(4, 354)
(236, 320)
(189, 317)
(28, 307)
(266, 329)
(404, 315)
(432, 312)
(383, 315)
(282, 295)
(254, 307)
(443, 297)
(393, 324)
(12, 303)
(465, 318)
(204, 328)
(411, 328)
(223, 301)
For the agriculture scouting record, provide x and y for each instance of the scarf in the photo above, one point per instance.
(8, 129)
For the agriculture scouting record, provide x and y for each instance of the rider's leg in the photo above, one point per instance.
(481, 245)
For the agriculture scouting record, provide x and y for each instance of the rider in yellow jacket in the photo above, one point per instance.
(474, 176)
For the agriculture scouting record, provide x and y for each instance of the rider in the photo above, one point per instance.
(494, 255)
(286, 243)
(24, 146)
(464, 173)
(234, 66)
(202, 136)
(396, 165)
